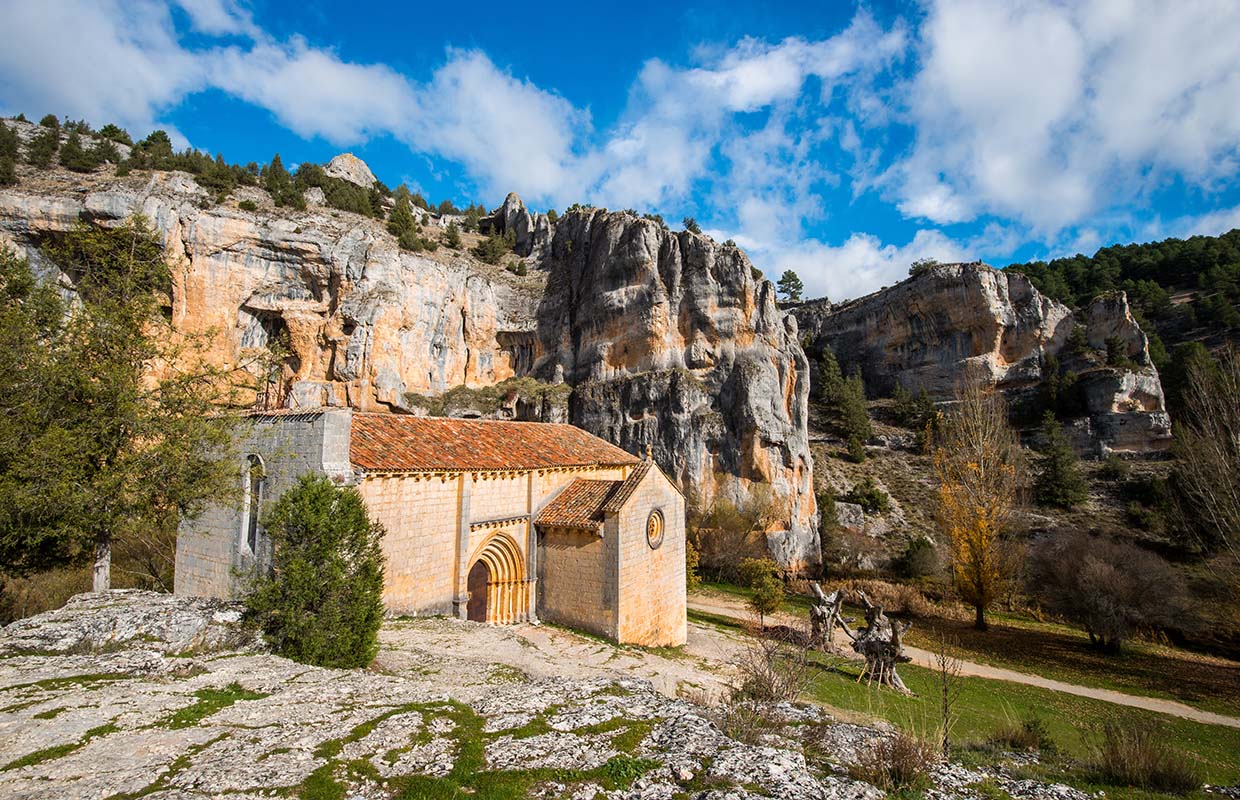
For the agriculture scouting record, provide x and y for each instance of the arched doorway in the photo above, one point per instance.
(479, 577)
(498, 592)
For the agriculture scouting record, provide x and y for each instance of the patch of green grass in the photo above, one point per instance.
(210, 701)
(469, 777)
(985, 705)
(51, 713)
(1059, 652)
(70, 682)
(60, 750)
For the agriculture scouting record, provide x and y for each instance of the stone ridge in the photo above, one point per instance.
(956, 320)
(402, 443)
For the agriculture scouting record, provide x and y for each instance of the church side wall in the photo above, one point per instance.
(576, 582)
(211, 558)
(652, 582)
(420, 515)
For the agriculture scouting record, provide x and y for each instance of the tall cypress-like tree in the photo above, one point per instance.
(108, 424)
(322, 603)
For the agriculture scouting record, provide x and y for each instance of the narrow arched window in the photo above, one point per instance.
(252, 501)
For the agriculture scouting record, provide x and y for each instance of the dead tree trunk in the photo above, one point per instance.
(880, 642)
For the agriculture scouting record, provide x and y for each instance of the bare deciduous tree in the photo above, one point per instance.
(1208, 446)
(1109, 587)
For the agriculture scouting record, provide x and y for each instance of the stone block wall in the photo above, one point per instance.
(577, 580)
(651, 582)
(420, 515)
(212, 558)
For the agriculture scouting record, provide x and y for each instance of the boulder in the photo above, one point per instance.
(349, 167)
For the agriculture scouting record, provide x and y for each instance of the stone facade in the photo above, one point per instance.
(443, 519)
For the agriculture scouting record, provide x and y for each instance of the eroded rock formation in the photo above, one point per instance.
(668, 340)
(957, 319)
(675, 345)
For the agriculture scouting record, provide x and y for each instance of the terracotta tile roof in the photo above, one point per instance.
(578, 505)
(626, 489)
(400, 443)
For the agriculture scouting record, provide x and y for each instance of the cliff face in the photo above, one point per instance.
(957, 319)
(674, 345)
(365, 322)
(667, 338)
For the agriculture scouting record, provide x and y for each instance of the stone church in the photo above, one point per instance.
(493, 521)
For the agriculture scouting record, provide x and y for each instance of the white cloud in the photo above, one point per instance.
(219, 17)
(102, 61)
(312, 91)
(1047, 112)
(861, 264)
(509, 133)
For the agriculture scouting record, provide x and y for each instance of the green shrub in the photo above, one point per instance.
(1114, 468)
(691, 225)
(42, 148)
(452, 236)
(752, 571)
(75, 157)
(856, 450)
(1059, 481)
(492, 249)
(322, 602)
(247, 205)
(826, 510)
(116, 134)
(767, 597)
(866, 494)
(1030, 735)
(919, 559)
(50, 121)
(895, 762)
(8, 155)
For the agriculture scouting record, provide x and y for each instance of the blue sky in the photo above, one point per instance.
(841, 140)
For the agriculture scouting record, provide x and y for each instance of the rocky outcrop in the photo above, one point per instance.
(955, 320)
(531, 233)
(667, 340)
(349, 167)
(100, 622)
(674, 345)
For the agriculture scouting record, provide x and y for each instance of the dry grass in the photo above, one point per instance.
(1131, 755)
(895, 598)
(895, 762)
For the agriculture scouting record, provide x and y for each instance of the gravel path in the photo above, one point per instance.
(734, 609)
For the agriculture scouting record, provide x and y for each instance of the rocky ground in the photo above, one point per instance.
(140, 695)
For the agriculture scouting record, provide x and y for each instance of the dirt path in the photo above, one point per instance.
(734, 609)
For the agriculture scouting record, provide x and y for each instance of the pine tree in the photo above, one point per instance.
(854, 418)
(400, 221)
(790, 286)
(279, 184)
(452, 236)
(74, 157)
(8, 155)
(96, 444)
(691, 225)
(1059, 481)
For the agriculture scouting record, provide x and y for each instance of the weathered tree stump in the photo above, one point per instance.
(880, 642)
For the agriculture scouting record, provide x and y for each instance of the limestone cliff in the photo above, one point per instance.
(675, 345)
(957, 319)
(668, 339)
